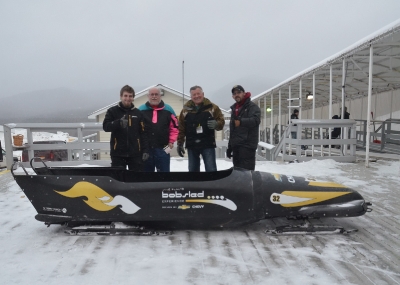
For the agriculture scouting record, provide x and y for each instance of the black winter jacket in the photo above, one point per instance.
(163, 129)
(293, 117)
(131, 141)
(246, 135)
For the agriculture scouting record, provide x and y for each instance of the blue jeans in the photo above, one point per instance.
(208, 155)
(158, 160)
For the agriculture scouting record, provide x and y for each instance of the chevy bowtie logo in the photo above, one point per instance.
(184, 207)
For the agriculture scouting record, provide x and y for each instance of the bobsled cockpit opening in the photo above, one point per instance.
(123, 175)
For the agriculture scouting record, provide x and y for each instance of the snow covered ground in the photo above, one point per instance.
(30, 253)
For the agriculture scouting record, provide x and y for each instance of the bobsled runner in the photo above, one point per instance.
(101, 199)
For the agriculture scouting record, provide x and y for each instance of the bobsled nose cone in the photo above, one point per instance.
(292, 196)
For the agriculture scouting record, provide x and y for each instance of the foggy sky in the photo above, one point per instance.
(95, 45)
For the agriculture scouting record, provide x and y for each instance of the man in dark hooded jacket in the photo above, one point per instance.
(128, 142)
(243, 139)
(294, 116)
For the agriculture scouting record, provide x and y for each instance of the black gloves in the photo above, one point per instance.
(123, 122)
(211, 124)
(180, 150)
(145, 156)
(229, 153)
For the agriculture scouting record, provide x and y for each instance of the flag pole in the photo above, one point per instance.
(183, 83)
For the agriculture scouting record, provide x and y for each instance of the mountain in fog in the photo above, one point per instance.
(63, 105)
(59, 105)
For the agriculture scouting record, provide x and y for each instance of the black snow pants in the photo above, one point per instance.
(244, 157)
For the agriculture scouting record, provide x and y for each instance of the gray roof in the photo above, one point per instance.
(386, 72)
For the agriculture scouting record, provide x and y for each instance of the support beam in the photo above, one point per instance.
(300, 97)
(391, 104)
(371, 63)
(259, 126)
(343, 87)
(313, 109)
(280, 113)
(271, 141)
(355, 63)
(330, 92)
(314, 98)
(330, 104)
(265, 118)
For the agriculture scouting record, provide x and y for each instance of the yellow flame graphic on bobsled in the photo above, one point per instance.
(297, 199)
(99, 199)
(302, 198)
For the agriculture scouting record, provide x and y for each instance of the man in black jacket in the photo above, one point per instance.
(346, 114)
(128, 143)
(163, 131)
(243, 139)
(294, 116)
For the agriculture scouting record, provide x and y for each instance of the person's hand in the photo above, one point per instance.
(237, 123)
(211, 124)
(123, 122)
(171, 145)
(229, 153)
(145, 156)
(180, 150)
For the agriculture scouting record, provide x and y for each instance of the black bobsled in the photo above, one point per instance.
(95, 195)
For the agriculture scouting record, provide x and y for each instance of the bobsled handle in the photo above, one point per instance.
(31, 163)
(19, 164)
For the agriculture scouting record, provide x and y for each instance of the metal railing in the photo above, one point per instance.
(265, 134)
(385, 136)
(291, 148)
(286, 145)
(265, 151)
(80, 148)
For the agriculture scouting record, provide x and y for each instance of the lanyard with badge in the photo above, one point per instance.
(199, 129)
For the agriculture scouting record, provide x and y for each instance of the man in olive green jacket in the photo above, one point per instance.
(198, 121)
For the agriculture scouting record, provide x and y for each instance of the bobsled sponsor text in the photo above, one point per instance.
(63, 210)
(183, 195)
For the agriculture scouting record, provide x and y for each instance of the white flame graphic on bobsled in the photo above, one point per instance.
(99, 199)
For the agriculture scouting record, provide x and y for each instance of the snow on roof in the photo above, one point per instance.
(386, 43)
